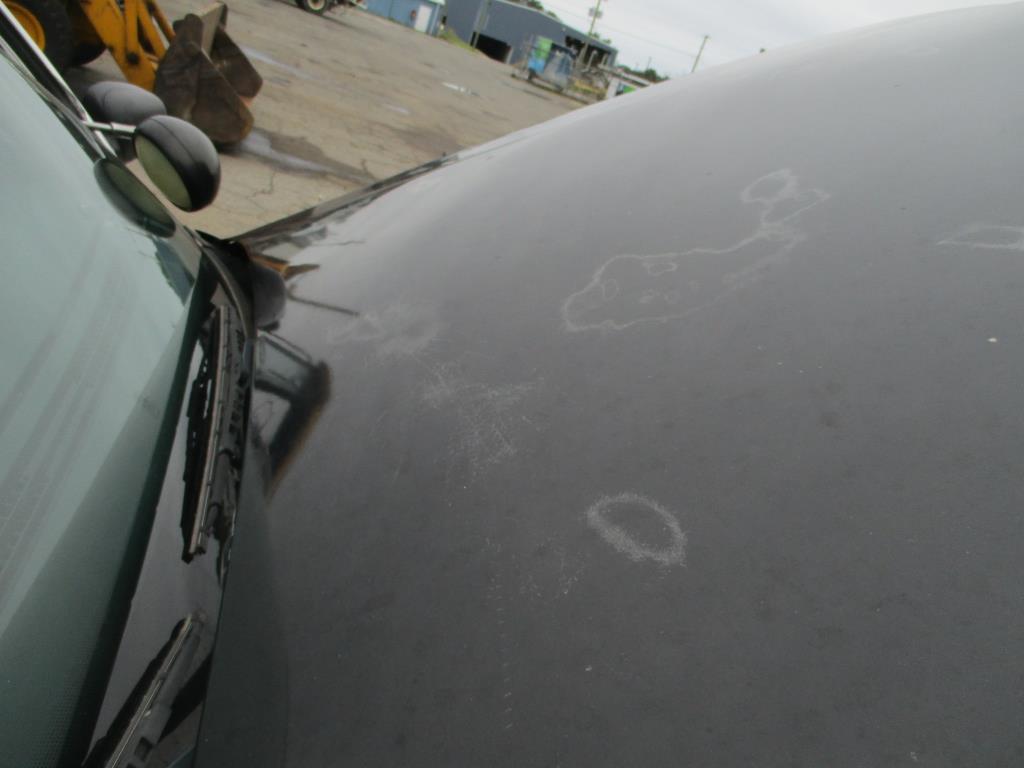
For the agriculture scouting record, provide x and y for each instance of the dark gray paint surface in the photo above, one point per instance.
(722, 467)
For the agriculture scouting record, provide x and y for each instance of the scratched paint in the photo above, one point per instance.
(487, 416)
(988, 237)
(506, 669)
(396, 331)
(622, 536)
(629, 288)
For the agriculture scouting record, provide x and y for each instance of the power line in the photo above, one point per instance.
(697, 60)
(651, 42)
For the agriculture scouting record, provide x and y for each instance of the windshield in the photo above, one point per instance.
(96, 280)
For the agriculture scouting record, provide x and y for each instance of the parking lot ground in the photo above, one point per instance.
(348, 98)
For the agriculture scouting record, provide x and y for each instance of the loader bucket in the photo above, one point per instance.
(206, 79)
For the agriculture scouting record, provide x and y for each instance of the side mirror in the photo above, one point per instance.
(116, 102)
(124, 104)
(180, 159)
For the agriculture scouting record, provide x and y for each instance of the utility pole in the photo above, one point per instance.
(595, 14)
(697, 60)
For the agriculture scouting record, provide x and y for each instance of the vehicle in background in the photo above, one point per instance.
(550, 62)
(318, 7)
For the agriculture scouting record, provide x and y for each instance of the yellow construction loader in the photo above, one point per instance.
(193, 66)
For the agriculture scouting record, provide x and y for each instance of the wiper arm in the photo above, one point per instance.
(141, 723)
(216, 429)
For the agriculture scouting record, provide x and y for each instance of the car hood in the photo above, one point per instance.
(681, 430)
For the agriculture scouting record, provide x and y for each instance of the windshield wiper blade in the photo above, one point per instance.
(216, 428)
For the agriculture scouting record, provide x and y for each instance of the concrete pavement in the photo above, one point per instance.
(349, 98)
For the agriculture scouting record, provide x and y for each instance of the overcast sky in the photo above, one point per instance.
(669, 31)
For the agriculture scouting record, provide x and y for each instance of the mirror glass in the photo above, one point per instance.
(162, 172)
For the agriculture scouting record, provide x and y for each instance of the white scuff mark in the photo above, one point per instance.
(459, 89)
(256, 55)
(993, 340)
(485, 414)
(259, 144)
(529, 587)
(566, 583)
(396, 331)
(568, 575)
(398, 109)
(629, 288)
(996, 237)
(497, 594)
(630, 505)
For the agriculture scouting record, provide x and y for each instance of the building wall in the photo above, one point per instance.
(461, 15)
(516, 26)
(402, 10)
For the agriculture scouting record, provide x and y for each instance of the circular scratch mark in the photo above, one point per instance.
(618, 536)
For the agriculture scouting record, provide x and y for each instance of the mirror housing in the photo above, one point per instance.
(124, 104)
(180, 160)
(116, 102)
(269, 294)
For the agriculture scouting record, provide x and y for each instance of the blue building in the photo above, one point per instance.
(422, 15)
(508, 31)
